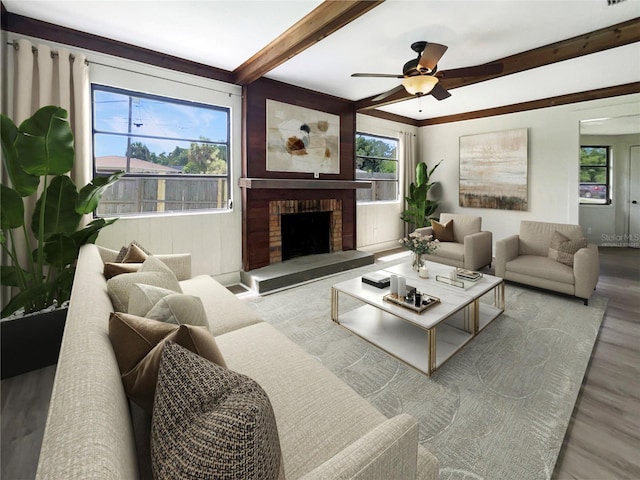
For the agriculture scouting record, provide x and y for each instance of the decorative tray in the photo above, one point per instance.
(428, 301)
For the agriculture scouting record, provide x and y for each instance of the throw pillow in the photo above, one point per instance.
(152, 272)
(212, 421)
(138, 342)
(562, 248)
(135, 254)
(179, 309)
(125, 250)
(442, 232)
(111, 269)
(143, 297)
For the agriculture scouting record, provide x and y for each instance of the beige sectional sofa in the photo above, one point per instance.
(525, 258)
(326, 430)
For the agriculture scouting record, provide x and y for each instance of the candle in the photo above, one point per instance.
(424, 271)
(393, 279)
(402, 287)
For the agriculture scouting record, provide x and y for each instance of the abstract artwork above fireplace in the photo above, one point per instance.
(301, 139)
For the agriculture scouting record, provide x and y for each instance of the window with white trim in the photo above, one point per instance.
(175, 153)
(377, 162)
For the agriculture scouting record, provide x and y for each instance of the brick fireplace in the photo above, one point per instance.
(278, 208)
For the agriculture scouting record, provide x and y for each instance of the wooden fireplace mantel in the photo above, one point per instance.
(306, 184)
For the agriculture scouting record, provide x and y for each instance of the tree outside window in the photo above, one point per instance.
(175, 153)
(594, 175)
(377, 162)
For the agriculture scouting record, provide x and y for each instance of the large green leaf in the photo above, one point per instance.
(89, 233)
(90, 194)
(60, 215)
(24, 183)
(12, 211)
(45, 142)
(33, 299)
(60, 250)
(9, 276)
(421, 173)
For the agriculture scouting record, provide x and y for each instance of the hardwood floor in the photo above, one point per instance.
(602, 442)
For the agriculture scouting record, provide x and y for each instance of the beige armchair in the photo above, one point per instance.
(471, 248)
(538, 257)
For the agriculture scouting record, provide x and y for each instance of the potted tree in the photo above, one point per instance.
(419, 207)
(37, 155)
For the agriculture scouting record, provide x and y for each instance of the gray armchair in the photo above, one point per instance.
(471, 248)
(526, 259)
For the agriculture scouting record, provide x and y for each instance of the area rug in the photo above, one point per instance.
(498, 409)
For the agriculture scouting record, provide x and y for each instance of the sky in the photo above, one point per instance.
(182, 123)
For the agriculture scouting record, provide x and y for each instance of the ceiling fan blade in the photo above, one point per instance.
(431, 56)
(386, 94)
(439, 92)
(476, 71)
(376, 75)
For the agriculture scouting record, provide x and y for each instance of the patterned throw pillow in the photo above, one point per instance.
(212, 421)
(135, 251)
(138, 343)
(442, 232)
(562, 249)
(152, 272)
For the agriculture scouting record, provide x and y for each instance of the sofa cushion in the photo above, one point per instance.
(451, 250)
(463, 225)
(443, 231)
(541, 267)
(143, 297)
(212, 421)
(535, 237)
(111, 269)
(562, 249)
(179, 309)
(138, 342)
(133, 253)
(152, 272)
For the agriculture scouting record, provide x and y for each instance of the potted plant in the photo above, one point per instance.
(37, 155)
(419, 207)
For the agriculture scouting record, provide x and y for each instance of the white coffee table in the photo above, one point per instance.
(422, 340)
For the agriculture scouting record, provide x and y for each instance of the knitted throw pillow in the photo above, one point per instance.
(212, 421)
(562, 249)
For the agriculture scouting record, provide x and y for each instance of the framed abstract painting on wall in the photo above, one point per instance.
(493, 170)
(301, 139)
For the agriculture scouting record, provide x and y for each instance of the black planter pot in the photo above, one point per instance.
(31, 342)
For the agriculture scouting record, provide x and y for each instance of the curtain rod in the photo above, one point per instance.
(54, 53)
(34, 49)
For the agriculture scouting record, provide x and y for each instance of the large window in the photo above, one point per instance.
(594, 175)
(175, 154)
(377, 162)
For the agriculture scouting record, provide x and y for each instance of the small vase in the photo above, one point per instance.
(416, 261)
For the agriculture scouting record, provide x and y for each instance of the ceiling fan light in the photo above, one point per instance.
(419, 84)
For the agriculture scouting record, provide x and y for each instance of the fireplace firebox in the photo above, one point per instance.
(305, 234)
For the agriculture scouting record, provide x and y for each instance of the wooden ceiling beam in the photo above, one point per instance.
(325, 19)
(610, 37)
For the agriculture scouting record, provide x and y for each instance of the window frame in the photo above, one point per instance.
(383, 180)
(227, 144)
(607, 166)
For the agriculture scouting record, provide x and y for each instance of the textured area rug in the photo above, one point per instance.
(498, 409)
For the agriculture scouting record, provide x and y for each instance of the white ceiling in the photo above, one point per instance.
(224, 34)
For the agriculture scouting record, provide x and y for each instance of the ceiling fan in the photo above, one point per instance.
(420, 76)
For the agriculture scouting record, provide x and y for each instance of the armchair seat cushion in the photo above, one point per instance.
(451, 250)
(541, 267)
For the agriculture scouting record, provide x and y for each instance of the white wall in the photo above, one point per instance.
(553, 160)
(213, 238)
(378, 223)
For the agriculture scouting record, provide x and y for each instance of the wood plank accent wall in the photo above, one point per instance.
(255, 202)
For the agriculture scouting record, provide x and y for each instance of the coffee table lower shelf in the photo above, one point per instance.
(405, 341)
